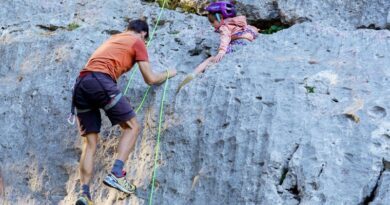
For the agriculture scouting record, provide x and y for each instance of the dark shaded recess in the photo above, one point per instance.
(295, 191)
(265, 24)
(283, 176)
(371, 26)
(371, 197)
(195, 51)
(49, 27)
(111, 32)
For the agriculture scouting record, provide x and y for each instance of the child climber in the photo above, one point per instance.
(234, 33)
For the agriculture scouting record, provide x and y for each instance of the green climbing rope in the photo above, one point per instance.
(147, 45)
(157, 148)
(143, 99)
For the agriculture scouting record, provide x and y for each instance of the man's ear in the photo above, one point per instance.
(144, 34)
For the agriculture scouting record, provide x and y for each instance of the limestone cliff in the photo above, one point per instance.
(297, 117)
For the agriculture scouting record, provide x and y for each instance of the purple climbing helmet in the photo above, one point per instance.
(226, 8)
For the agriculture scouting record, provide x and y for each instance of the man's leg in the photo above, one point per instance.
(130, 131)
(128, 139)
(87, 98)
(87, 157)
(126, 144)
(86, 161)
(121, 113)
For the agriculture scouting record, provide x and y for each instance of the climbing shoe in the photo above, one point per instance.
(186, 80)
(83, 200)
(119, 183)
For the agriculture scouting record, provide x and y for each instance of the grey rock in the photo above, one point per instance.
(270, 124)
(382, 194)
(340, 13)
(259, 9)
(347, 14)
(388, 20)
(336, 12)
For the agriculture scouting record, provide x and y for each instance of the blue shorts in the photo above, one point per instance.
(95, 91)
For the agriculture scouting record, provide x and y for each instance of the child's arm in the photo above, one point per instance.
(225, 39)
(201, 67)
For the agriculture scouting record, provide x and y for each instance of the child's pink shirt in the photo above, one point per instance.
(229, 27)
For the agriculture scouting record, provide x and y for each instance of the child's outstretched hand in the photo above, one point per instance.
(217, 58)
(172, 72)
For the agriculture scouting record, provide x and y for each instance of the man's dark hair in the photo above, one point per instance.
(139, 26)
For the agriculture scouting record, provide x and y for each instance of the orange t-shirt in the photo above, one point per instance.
(117, 55)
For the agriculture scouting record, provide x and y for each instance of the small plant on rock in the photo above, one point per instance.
(310, 89)
(72, 26)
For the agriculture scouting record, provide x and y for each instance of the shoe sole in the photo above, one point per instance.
(111, 183)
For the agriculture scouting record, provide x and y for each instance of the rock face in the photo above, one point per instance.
(373, 13)
(297, 117)
(336, 12)
(259, 9)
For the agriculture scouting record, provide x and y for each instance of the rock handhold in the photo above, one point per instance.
(350, 111)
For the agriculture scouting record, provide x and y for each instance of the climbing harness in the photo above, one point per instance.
(112, 99)
(71, 119)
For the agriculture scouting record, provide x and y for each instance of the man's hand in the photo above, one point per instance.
(172, 72)
(217, 58)
(152, 78)
(163, 75)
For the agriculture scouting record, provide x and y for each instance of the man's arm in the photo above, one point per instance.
(152, 78)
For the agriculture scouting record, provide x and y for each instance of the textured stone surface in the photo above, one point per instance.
(301, 116)
(340, 13)
(259, 9)
(336, 12)
(345, 13)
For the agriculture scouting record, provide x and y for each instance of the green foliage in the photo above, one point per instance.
(188, 8)
(310, 89)
(170, 4)
(72, 26)
(273, 29)
(173, 4)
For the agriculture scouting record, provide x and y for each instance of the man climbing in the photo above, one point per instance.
(96, 89)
